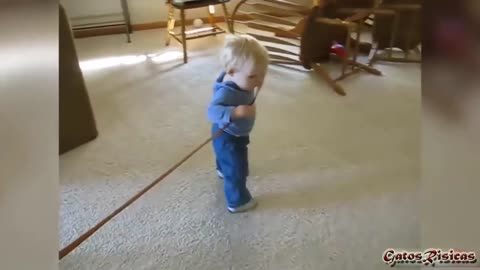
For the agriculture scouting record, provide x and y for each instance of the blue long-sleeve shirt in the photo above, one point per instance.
(226, 96)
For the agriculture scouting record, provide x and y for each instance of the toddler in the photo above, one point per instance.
(245, 62)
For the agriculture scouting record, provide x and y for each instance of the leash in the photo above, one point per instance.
(77, 242)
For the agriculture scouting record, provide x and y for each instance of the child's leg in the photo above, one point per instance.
(218, 166)
(219, 169)
(241, 152)
(231, 154)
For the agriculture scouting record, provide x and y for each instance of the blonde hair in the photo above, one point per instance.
(238, 49)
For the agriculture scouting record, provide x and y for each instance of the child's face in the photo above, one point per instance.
(249, 76)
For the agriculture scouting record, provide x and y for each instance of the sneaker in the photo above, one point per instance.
(242, 208)
(220, 174)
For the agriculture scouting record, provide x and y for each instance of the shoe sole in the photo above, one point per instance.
(244, 209)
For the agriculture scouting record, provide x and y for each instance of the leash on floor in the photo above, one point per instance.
(77, 242)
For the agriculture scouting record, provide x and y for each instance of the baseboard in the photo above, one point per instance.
(113, 30)
(101, 31)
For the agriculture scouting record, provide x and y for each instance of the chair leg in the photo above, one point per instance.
(184, 38)
(227, 18)
(127, 32)
(170, 23)
(373, 51)
(347, 51)
(211, 20)
(372, 57)
(126, 19)
(357, 45)
(396, 19)
(325, 76)
(409, 40)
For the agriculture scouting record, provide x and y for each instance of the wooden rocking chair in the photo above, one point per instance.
(307, 42)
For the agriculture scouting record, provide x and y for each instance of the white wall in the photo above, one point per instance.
(90, 7)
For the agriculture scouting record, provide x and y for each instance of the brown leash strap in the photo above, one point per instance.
(69, 248)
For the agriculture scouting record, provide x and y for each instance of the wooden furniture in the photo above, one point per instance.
(185, 35)
(76, 119)
(302, 36)
(397, 25)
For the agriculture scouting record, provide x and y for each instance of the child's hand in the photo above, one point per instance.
(244, 111)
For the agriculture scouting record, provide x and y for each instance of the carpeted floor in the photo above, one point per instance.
(336, 177)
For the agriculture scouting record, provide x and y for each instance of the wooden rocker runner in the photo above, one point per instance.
(303, 36)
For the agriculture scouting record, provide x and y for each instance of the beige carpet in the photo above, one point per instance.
(336, 177)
